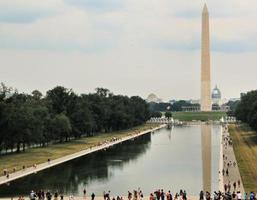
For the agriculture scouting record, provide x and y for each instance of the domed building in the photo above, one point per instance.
(216, 96)
(153, 98)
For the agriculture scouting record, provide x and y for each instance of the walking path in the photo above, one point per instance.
(40, 167)
(229, 164)
(98, 198)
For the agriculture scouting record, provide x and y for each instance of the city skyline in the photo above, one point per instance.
(129, 47)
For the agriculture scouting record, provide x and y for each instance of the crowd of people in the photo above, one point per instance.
(158, 194)
(234, 187)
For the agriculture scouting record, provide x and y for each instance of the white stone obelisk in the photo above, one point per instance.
(205, 63)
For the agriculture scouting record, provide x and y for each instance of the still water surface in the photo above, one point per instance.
(181, 158)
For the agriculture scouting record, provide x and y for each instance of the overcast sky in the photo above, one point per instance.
(132, 47)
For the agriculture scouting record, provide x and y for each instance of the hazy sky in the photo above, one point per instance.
(132, 47)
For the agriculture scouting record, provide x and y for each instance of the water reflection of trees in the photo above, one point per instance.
(68, 176)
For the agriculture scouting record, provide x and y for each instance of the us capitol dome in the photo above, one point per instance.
(216, 96)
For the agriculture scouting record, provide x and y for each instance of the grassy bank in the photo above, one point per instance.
(202, 116)
(40, 155)
(245, 147)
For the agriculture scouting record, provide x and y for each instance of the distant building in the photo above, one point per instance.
(216, 96)
(153, 98)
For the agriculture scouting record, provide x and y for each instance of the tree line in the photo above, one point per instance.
(62, 115)
(246, 109)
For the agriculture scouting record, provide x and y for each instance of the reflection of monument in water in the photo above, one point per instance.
(206, 156)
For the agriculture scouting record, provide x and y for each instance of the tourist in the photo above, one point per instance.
(208, 196)
(92, 196)
(201, 195)
(245, 196)
(168, 196)
(157, 194)
(56, 196)
(48, 160)
(129, 195)
(184, 195)
(234, 185)
(32, 195)
(238, 183)
(239, 195)
(7, 175)
(62, 197)
(162, 195)
(84, 192)
(227, 172)
(225, 187)
(229, 186)
(141, 195)
(48, 195)
(252, 196)
(234, 195)
(151, 197)
(108, 195)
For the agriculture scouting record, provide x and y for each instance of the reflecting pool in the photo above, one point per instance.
(182, 158)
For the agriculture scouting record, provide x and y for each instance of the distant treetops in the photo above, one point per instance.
(246, 110)
(61, 115)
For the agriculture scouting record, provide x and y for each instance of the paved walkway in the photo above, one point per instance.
(40, 167)
(229, 158)
(97, 198)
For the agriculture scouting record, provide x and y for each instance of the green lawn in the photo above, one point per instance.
(245, 148)
(202, 116)
(40, 155)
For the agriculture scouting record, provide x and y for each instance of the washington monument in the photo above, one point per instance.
(205, 62)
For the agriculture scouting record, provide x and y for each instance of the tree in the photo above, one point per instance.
(156, 114)
(58, 99)
(37, 95)
(60, 127)
(27, 120)
(246, 109)
(168, 114)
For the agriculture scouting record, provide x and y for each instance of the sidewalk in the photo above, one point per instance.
(229, 157)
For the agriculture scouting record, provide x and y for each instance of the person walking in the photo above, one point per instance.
(201, 196)
(92, 196)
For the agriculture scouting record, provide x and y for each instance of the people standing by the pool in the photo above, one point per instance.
(239, 195)
(169, 195)
(201, 195)
(93, 196)
(56, 196)
(207, 196)
(32, 195)
(238, 183)
(184, 195)
(234, 186)
(129, 195)
(48, 195)
(162, 195)
(151, 197)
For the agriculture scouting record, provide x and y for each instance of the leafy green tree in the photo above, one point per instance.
(168, 114)
(60, 127)
(156, 114)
